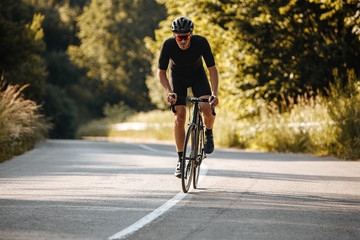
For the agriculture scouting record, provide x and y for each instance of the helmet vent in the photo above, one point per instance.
(182, 25)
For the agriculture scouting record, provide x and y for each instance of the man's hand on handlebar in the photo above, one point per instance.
(213, 100)
(172, 98)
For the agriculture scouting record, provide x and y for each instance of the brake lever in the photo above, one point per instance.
(212, 106)
(172, 108)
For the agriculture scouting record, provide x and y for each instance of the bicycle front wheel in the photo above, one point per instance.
(187, 166)
(199, 157)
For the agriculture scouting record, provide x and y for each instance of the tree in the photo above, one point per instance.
(21, 46)
(294, 45)
(268, 50)
(112, 47)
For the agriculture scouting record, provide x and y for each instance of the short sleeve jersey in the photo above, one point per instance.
(189, 61)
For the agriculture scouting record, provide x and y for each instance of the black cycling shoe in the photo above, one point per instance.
(209, 143)
(177, 172)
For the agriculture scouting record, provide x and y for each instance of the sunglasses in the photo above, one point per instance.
(185, 37)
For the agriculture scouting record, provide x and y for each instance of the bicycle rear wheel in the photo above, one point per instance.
(199, 157)
(187, 166)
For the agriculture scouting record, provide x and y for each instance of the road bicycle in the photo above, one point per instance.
(194, 151)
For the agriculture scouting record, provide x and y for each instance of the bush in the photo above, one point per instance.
(94, 128)
(305, 127)
(62, 111)
(116, 113)
(228, 131)
(21, 125)
(344, 109)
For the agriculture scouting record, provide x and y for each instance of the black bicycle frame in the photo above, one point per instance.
(194, 125)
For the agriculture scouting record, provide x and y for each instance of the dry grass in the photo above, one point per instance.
(21, 125)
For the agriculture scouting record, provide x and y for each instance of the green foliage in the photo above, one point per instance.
(21, 46)
(71, 80)
(94, 128)
(293, 46)
(228, 131)
(115, 113)
(21, 124)
(118, 112)
(112, 48)
(269, 49)
(305, 127)
(153, 125)
(274, 58)
(344, 109)
(63, 112)
(80, 92)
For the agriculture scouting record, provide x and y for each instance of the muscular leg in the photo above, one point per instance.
(179, 127)
(209, 119)
(209, 123)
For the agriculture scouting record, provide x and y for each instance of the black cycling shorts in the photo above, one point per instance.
(198, 82)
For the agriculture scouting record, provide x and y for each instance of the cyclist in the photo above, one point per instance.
(185, 51)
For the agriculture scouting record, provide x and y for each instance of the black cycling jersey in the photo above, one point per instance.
(186, 66)
(186, 62)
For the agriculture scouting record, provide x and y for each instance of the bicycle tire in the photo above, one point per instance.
(187, 166)
(200, 153)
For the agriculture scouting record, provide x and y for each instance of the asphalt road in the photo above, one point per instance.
(66, 189)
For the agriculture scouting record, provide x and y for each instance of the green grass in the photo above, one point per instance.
(306, 127)
(270, 131)
(159, 127)
(344, 109)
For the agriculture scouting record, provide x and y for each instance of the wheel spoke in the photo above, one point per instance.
(187, 169)
(199, 154)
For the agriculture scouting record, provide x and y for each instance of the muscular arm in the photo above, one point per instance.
(214, 79)
(164, 80)
(166, 85)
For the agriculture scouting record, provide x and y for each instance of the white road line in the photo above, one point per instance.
(157, 212)
(149, 218)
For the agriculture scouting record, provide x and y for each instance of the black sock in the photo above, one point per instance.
(180, 154)
(208, 131)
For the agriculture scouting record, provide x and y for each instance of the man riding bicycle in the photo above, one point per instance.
(184, 51)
